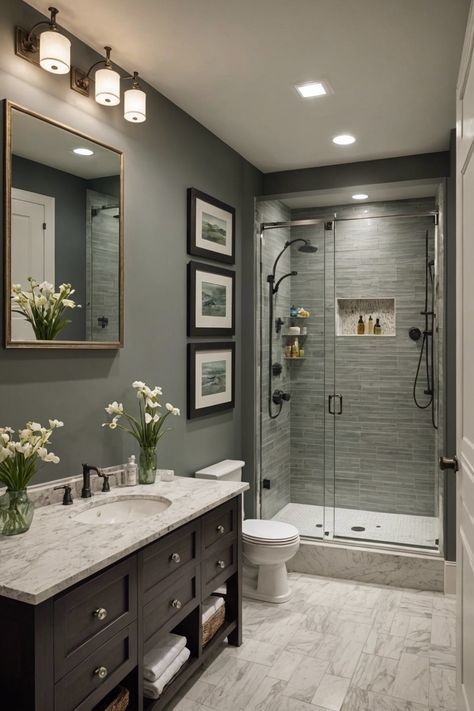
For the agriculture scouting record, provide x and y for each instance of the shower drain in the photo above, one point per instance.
(358, 528)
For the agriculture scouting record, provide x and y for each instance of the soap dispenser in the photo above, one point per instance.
(131, 471)
(377, 327)
(371, 326)
(360, 326)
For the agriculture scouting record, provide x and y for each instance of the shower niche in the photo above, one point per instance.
(349, 310)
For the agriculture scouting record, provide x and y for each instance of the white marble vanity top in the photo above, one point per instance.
(58, 551)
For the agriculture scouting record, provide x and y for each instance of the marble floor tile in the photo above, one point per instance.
(199, 691)
(284, 665)
(443, 632)
(420, 605)
(253, 650)
(412, 678)
(384, 645)
(361, 700)
(375, 673)
(445, 605)
(399, 626)
(305, 679)
(442, 656)
(345, 658)
(267, 695)
(418, 637)
(331, 692)
(442, 692)
(238, 687)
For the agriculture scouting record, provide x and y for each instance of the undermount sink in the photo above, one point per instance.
(123, 511)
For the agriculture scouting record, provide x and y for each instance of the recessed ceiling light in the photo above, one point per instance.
(345, 139)
(312, 88)
(83, 151)
(360, 196)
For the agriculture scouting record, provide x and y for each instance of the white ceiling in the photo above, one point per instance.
(232, 65)
(45, 143)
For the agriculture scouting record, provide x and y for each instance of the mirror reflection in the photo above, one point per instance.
(65, 235)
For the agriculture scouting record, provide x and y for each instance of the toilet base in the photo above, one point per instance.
(267, 583)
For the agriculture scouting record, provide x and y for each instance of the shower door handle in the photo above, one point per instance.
(449, 463)
(330, 410)
(338, 395)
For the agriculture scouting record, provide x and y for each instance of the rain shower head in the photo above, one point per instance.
(307, 248)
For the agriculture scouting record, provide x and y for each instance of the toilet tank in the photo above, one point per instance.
(227, 470)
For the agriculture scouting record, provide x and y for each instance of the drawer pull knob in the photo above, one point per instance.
(220, 564)
(176, 604)
(220, 529)
(101, 672)
(100, 613)
(176, 558)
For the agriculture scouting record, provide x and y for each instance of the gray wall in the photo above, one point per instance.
(163, 157)
(69, 193)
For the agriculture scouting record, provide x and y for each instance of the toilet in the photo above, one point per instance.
(267, 545)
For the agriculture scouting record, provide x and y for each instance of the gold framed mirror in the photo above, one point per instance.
(63, 236)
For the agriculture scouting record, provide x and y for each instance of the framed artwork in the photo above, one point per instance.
(211, 227)
(211, 378)
(211, 300)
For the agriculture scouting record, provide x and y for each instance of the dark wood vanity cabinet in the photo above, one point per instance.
(73, 649)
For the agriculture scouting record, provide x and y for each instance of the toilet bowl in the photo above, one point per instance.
(267, 545)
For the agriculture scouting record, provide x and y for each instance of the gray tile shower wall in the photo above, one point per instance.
(275, 434)
(383, 444)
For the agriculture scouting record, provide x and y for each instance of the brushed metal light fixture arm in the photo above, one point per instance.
(27, 42)
(80, 80)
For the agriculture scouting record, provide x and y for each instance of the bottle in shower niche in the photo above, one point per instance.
(370, 327)
(377, 327)
(360, 326)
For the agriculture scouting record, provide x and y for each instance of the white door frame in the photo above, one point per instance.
(48, 204)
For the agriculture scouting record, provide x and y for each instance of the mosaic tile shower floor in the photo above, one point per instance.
(406, 529)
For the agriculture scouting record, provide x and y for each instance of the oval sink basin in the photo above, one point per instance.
(123, 511)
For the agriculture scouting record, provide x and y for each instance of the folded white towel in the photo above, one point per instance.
(153, 690)
(210, 607)
(158, 659)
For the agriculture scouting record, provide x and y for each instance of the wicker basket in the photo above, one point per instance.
(117, 700)
(213, 624)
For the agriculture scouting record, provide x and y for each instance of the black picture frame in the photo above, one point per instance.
(198, 250)
(193, 411)
(193, 328)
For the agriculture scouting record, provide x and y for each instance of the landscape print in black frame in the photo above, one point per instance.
(211, 378)
(211, 300)
(211, 227)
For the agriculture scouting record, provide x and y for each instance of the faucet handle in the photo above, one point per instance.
(105, 477)
(67, 498)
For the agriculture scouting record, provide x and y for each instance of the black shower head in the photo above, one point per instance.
(307, 248)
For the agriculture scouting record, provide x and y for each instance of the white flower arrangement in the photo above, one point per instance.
(43, 307)
(19, 457)
(148, 428)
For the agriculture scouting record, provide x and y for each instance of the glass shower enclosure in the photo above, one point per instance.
(350, 323)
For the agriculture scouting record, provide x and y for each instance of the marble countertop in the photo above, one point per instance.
(58, 551)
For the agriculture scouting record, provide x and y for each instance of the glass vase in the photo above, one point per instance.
(16, 512)
(147, 465)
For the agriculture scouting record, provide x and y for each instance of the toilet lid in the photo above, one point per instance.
(268, 531)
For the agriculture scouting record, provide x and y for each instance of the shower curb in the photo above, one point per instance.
(381, 567)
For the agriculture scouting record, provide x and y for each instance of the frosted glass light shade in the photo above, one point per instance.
(107, 87)
(134, 105)
(55, 52)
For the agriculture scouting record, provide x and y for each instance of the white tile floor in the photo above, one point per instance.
(390, 528)
(336, 646)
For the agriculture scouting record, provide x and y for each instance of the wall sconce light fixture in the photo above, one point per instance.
(50, 49)
(134, 100)
(107, 81)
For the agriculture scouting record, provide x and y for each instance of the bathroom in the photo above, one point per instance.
(294, 525)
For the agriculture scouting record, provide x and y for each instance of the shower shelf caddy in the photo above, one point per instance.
(289, 338)
(348, 311)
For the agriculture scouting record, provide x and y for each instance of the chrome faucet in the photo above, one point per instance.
(86, 480)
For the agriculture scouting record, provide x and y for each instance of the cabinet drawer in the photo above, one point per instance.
(169, 556)
(218, 566)
(171, 604)
(83, 687)
(219, 523)
(92, 612)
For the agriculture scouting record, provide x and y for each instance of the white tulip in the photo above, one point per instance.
(176, 411)
(169, 407)
(54, 424)
(156, 417)
(5, 437)
(138, 384)
(35, 426)
(148, 418)
(115, 408)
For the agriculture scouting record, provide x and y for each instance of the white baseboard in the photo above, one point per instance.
(449, 577)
